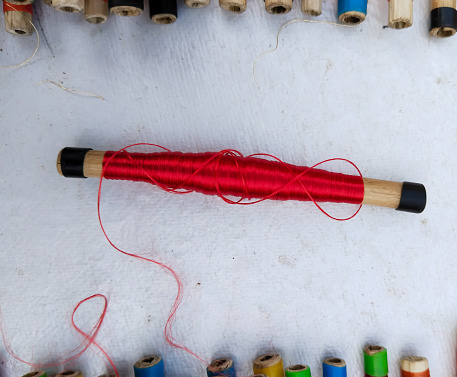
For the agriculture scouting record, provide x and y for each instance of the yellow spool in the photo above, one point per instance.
(270, 365)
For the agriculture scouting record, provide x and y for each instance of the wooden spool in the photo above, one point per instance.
(69, 6)
(196, 3)
(278, 6)
(96, 11)
(352, 18)
(235, 6)
(18, 19)
(400, 14)
(443, 31)
(311, 7)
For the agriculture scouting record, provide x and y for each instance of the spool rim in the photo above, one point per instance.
(164, 18)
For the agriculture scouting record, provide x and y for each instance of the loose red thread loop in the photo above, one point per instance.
(226, 173)
(89, 340)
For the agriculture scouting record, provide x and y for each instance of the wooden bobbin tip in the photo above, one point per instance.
(70, 373)
(442, 32)
(163, 18)
(18, 23)
(126, 11)
(297, 368)
(414, 364)
(278, 6)
(335, 362)
(148, 362)
(37, 373)
(352, 18)
(107, 375)
(259, 375)
(96, 18)
(220, 365)
(267, 361)
(373, 350)
(20, 2)
(196, 3)
(235, 6)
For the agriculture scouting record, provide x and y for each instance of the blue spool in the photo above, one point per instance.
(345, 6)
(333, 367)
(151, 366)
(221, 367)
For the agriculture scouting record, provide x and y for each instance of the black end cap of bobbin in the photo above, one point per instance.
(72, 162)
(413, 198)
(443, 17)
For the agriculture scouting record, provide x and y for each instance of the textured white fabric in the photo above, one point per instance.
(275, 275)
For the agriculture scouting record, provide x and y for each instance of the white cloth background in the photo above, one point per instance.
(274, 276)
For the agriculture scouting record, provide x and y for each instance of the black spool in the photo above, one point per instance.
(127, 8)
(163, 11)
(443, 22)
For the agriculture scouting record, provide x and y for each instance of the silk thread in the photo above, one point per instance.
(279, 32)
(70, 90)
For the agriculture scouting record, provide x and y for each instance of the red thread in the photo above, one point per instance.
(225, 173)
(7, 7)
(425, 373)
(229, 173)
(88, 340)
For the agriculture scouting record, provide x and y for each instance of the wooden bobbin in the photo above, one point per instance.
(400, 14)
(414, 365)
(96, 11)
(196, 3)
(235, 6)
(335, 362)
(311, 7)
(164, 18)
(443, 31)
(352, 18)
(70, 373)
(278, 6)
(18, 22)
(69, 6)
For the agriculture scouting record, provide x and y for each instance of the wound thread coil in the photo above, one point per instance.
(18, 18)
(269, 364)
(414, 366)
(334, 367)
(375, 361)
(352, 12)
(150, 366)
(221, 367)
(298, 370)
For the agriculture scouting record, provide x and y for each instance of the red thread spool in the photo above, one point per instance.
(228, 173)
(414, 366)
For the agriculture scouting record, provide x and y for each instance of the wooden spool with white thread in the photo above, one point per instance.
(235, 6)
(196, 3)
(278, 6)
(69, 6)
(96, 11)
(311, 7)
(400, 14)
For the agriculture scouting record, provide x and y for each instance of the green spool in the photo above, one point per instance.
(38, 373)
(298, 370)
(375, 359)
